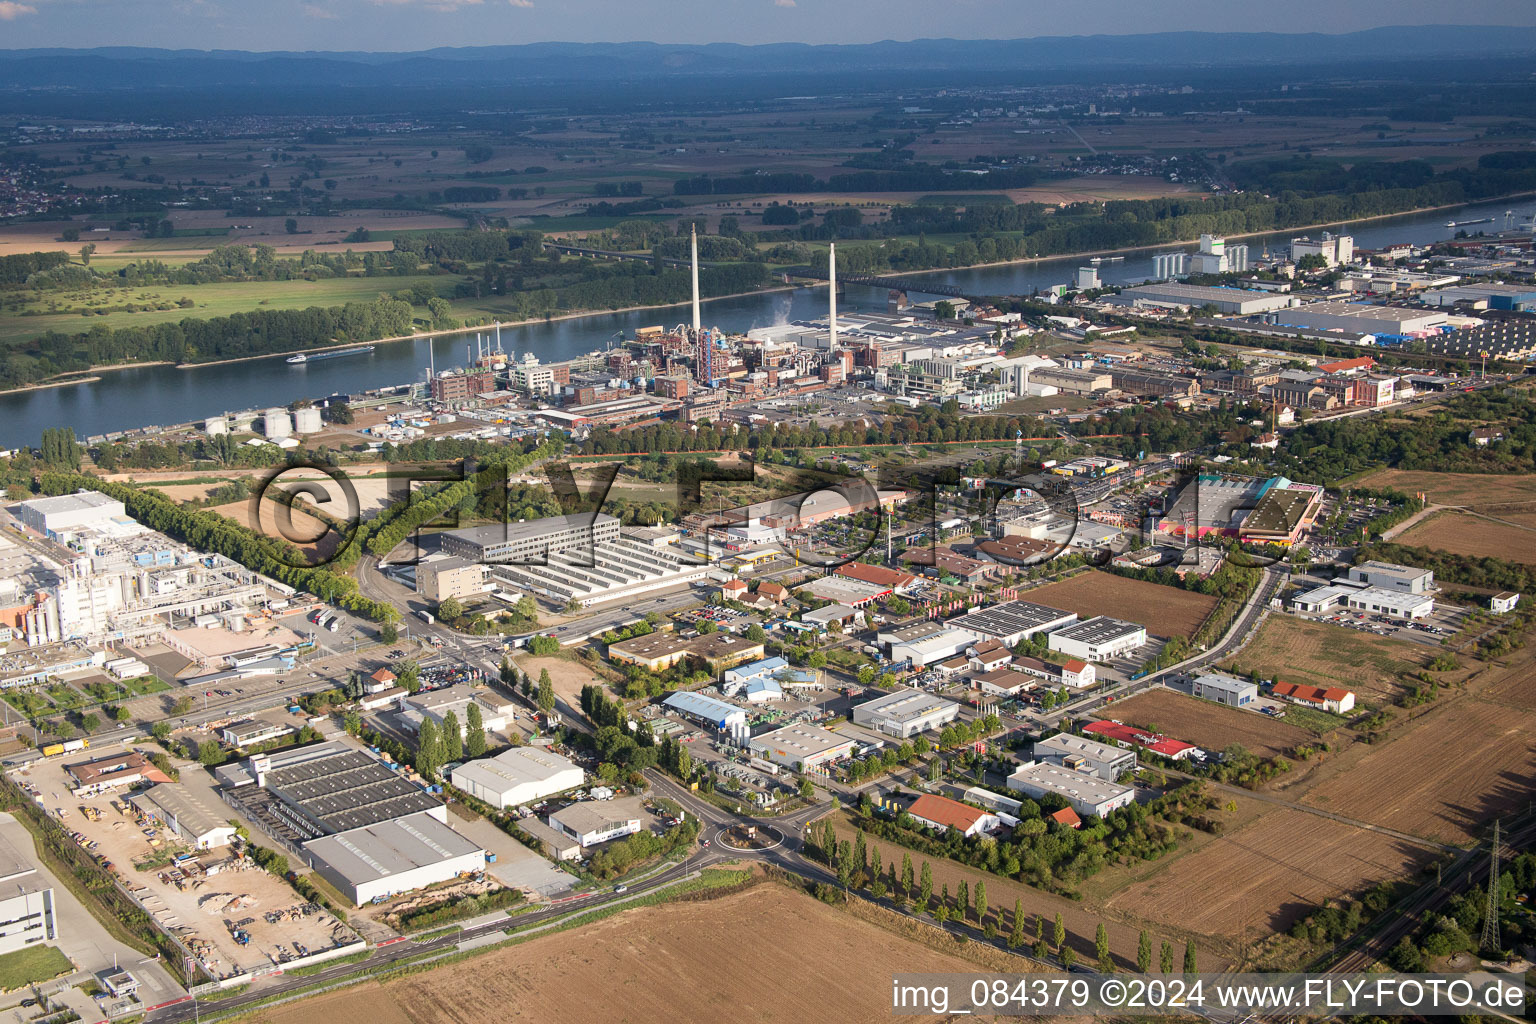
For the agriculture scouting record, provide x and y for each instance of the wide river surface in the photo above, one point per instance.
(124, 399)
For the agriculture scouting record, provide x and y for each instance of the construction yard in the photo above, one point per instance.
(1269, 879)
(666, 963)
(1462, 762)
(1319, 654)
(1164, 611)
(1212, 726)
(235, 916)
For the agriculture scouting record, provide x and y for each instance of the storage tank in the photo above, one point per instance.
(215, 425)
(307, 420)
(277, 423)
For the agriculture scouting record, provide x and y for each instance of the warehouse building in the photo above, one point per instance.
(598, 821)
(393, 856)
(942, 813)
(1392, 603)
(27, 912)
(1225, 689)
(1084, 755)
(1098, 639)
(1332, 315)
(1088, 795)
(905, 713)
(707, 710)
(1322, 599)
(846, 590)
(1390, 576)
(595, 568)
(801, 747)
(654, 652)
(201, 824)
(1013, 621)
(517, 776)
(1240, 301)
(70, 513)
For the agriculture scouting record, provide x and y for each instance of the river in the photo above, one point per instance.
(129, 398)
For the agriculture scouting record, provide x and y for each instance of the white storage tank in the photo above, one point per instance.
(277, 423)
(215, 425)
(307, 420)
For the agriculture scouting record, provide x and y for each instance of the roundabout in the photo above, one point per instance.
(749, 838)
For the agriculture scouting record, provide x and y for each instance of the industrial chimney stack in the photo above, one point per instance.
(697, 325)
(832, 293)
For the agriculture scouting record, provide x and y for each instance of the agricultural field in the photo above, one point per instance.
(1472, 490)
(1269, 880)
(1212, 726)
(663, 963)
(1473, 535)
(1319, 654)
(1458, 765)
(1164, 611)
(1511, 681)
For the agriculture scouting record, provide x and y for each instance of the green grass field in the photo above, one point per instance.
(35, 963)
(210, 300)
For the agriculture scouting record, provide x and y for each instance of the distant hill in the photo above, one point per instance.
(134, 67)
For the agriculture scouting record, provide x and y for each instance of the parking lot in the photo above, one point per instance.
(235, 916)
(1430, 631)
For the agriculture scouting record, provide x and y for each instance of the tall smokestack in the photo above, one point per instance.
(832, 292)
(697, 325)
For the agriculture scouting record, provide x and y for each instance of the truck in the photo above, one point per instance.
(425, 616)
(67, 747)
(332, 624)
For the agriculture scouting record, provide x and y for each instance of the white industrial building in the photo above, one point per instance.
(1334, 249)
(598, 821)
(393, 856)
(1105, 760)
(496, 712)
(1239, 301)
(1225, 689)
(67, 513)
(1322, 599)
(1333, 315)
(1390, 576)
(927, 642)
(1088, 795)
(199, 822)
(905, 713)
(27, 913)
(1100, 638)
(1392, 603)
(517, 776)
(801, 747)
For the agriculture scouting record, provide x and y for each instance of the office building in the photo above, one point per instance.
(1225, 689)
(531, 543)
(439, 579)
(1084, 755)
(27, 912)
(905, 713)
(1405, 579)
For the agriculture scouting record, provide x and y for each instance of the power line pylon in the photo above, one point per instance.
(1490, 941)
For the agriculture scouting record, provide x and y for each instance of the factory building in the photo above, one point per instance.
(1232, 301)
(1100, 638)
(905, 713)
(27, 912)
(1334, 249)
(707, 710)
(517, 776)
(496, 713)
(594, 821)
(924, 643)
(393, 856)
(69, 513)
(801, 747)
(441, 578)
(1405, 579)
(1084, 755)
(534, 542)
(1088, 795)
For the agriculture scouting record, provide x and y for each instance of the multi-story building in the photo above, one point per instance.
(531, 542)
(460, 386)
(443, 578)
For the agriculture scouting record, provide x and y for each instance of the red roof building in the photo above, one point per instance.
(1129, 735)
(1331, 698)
(1348, 365)
(943, 813)
(877, 575)
(1067, 816)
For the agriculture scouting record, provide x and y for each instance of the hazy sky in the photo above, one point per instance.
(417, 24)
